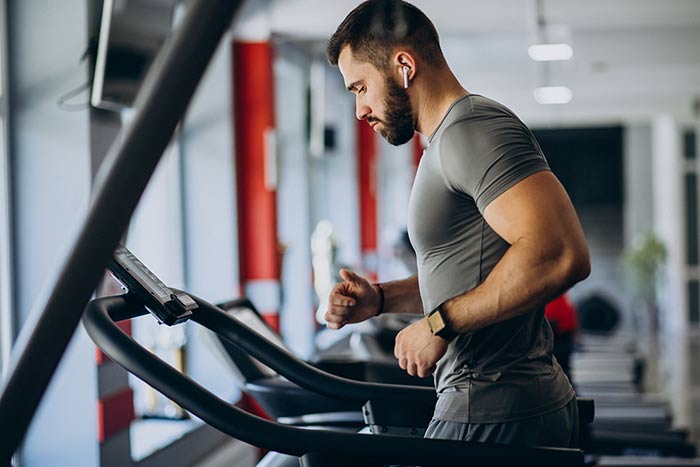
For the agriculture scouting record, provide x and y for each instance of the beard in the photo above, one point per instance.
(398, 123)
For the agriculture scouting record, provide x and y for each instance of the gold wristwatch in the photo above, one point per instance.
(438, 325)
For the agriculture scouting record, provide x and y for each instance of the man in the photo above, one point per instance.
(495, 234)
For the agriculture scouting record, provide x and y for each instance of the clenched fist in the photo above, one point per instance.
(351, 301)
(418, 350)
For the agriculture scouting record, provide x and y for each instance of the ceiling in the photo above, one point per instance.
(633, 59)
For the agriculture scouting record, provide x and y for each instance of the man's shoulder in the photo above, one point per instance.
(475, 112)
(483, 122)
(466, 133)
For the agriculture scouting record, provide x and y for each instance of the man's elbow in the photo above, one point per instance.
(577, 266)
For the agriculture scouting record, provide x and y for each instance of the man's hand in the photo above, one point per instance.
(418, 350)
(351, 301)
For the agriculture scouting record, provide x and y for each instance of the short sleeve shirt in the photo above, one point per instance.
(505, 371)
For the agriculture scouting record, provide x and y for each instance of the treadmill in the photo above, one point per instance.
(384, 406)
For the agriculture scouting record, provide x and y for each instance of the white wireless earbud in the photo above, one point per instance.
(405, 77)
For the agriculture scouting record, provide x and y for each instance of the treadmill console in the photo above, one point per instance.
(168, 307)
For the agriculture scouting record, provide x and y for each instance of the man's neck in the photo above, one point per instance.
(435, 101)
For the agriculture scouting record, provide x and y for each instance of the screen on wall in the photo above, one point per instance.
(587, 161)
(131, 34)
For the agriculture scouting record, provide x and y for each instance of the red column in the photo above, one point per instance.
(367, 176)
(254, 123)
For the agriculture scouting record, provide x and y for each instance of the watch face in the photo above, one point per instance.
(436, 322)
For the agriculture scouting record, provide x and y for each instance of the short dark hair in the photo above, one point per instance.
(376, 27)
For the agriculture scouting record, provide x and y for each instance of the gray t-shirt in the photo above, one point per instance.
(506, 371)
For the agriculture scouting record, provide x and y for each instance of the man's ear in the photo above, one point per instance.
(404, 65)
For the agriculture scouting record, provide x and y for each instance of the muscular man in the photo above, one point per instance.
(495, 234)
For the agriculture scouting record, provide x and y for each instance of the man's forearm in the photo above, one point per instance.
(402, 296)
(523, 280)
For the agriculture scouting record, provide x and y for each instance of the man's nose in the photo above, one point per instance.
(362, 111)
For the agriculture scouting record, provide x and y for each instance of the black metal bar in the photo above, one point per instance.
(162, 102)
(296, 370)
(357, 448)
(310, 377)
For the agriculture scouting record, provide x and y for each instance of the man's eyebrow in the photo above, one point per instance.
(354, 85)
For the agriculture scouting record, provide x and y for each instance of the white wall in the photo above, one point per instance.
(669, 225)
(669, 221)
(395, 179)
(294, 226)
(50, 153)
(639, 198)
(333, 178)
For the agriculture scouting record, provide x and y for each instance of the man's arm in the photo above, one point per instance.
(548, 255)
(402, 296)
(356, 299)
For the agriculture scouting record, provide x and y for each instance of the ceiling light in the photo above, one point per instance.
(550, 52)
(553, 95)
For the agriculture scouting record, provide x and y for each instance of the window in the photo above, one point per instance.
(6, 322)
(694, 301)
(689, 144)
(691, 225)
(691, 216)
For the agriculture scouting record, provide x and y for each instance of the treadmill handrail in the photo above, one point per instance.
(98, 320)
(293, 368)
(313, 379)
